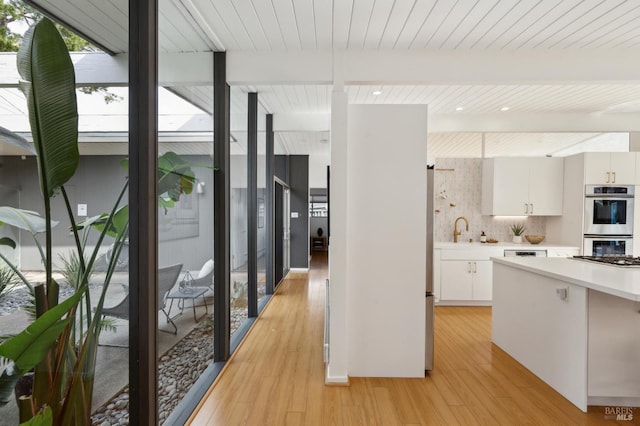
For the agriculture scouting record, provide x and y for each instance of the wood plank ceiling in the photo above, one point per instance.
(462, 25)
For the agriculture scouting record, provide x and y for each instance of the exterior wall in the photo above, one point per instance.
(97, 183)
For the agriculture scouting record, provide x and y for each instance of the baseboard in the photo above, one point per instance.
(464, 303)
(298, 273)
(614, 401)
(335, 380)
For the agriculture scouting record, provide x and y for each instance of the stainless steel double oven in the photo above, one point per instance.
(608, 220)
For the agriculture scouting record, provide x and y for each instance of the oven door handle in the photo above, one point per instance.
(608, 237)
(610, 197)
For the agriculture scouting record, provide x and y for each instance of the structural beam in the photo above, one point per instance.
(101, 69)
(221, 218)
(143, 218)
(434, 67)
(373, 67)
(535, 122)
(269, 204)
(288, 122)
(252, 204)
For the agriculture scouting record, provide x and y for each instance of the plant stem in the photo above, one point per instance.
(79, 247)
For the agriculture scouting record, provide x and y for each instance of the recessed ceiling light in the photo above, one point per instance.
(376, 93)
(459, 108)
(505, 109)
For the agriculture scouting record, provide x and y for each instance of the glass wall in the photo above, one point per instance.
(185, 212)
(263, 244)
(95, 186)
(238, 210)
(185, 216)
(185, 243)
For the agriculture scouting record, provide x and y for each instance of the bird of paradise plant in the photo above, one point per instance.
(53, 360)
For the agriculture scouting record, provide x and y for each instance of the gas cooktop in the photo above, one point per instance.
(613, 259)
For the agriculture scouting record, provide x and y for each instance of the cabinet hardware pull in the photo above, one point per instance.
(608, 177)
(531, 209)
(475, 268)
(468, 267)
(526, 208)
(614, 177)
(563, 293)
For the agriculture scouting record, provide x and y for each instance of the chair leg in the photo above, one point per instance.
(169, 320)
(206, 309)
(112, 345)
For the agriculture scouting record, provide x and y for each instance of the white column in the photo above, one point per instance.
(336, 371)
(386, 240)
(634, 141)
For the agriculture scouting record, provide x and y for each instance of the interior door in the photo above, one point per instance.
(278, 233)
(286, 234)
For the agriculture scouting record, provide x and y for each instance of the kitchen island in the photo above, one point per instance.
(573, 323)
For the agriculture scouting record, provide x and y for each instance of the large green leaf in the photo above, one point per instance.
(175, 176)
(16, 140)
(30, 347)
(118, 223)
(6, 241)
(43, 418)
(26, 220)
(49, 85)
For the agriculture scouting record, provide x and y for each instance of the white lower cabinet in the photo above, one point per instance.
(482, 280)
(465, 280)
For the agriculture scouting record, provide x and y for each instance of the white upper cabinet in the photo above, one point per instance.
(522, 186)
(610, 168)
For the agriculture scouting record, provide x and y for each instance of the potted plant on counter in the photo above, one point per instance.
(518, 230)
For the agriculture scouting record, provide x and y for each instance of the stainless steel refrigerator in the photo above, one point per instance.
(429, 299)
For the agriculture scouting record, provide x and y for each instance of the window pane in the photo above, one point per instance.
(262, 203)
(238, 209)
(185, 208)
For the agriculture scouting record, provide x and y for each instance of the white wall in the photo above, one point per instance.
(338, 254)
(318, 170)
(460, 181)
(386, 240)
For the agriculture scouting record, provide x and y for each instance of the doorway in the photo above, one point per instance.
(282, 231)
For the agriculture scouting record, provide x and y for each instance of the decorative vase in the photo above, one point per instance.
(517, 239)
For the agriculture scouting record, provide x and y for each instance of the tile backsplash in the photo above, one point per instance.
(458, 192)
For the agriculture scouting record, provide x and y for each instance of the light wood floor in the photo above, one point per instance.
(277, 375)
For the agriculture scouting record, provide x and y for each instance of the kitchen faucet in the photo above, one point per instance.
(455, 228)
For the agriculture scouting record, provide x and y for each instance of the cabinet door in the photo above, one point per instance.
(511, 186)
(546, 185)
(623, 168)
(482, 279)
(597, 168)
(455, 280)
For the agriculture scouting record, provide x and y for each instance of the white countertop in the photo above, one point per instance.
(614, 280)
(500, 244)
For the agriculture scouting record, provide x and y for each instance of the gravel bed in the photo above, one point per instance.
(178, 369)
(19, 296)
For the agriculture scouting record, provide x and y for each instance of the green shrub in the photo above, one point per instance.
(8, 280)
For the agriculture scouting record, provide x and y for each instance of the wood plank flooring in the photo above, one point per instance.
(276, 376)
